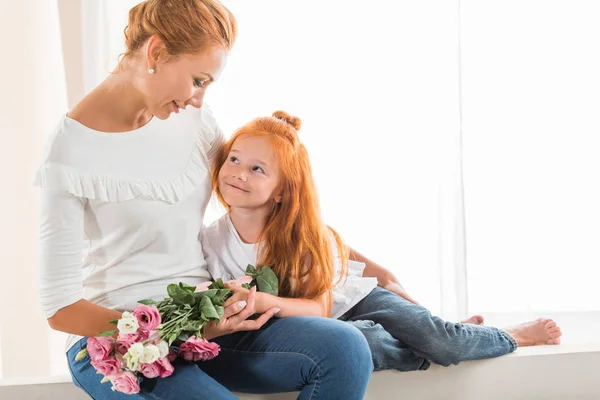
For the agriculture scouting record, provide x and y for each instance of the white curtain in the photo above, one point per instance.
(32, 97)
(531, 92)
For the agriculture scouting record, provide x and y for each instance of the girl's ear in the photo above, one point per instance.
(278, 199)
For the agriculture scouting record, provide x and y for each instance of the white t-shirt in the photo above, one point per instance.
(121, 213)
(228, 256)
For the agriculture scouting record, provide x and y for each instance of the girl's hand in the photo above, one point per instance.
(235, 317)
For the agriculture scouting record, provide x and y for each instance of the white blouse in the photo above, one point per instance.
(121, 213)
(228, 256)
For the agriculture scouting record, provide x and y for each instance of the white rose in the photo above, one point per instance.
(163, 348)
(128, 324)
(133, 356)
(151, 354)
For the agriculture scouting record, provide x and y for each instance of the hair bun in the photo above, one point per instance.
(293, 121)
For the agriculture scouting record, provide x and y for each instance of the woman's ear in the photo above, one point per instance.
(154, 51)
(278, 199)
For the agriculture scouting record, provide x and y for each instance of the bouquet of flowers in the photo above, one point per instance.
(144, 338)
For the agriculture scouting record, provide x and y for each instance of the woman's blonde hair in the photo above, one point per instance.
(184, 26)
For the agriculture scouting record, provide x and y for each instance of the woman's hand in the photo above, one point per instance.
(239, 293)
(235, 316)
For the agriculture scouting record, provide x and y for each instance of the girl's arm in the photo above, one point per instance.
(288, 307)
(385, 278)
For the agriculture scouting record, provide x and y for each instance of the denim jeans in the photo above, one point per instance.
(319, 357)
(406, 337)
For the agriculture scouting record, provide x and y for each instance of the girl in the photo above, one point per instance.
(263, 178)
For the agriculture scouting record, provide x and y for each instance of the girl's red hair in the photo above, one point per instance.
(295, 242)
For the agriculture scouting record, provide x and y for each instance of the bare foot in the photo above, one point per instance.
(536, 333)
(474, 319)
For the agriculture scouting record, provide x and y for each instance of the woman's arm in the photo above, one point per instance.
(385, 278)
(61, 238)
(83, 318)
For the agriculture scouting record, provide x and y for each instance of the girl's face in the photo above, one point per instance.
(250, 175)
(181, 82)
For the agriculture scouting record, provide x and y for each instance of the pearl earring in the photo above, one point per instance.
(150, 70)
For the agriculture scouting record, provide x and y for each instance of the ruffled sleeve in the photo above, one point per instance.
(66, 167)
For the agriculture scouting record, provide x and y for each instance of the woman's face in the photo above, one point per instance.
(181, 82)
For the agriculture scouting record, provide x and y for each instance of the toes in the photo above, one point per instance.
(554, 341)
(555, 334)
(550, 324)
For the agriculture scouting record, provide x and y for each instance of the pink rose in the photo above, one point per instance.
(166, 369)
(172, 356)
(150, 370)
(124, 341)
(203, 287)
(195, 349)
(148, 317)
(126, 382)
(99, 348)
(161, 368)
(242, 280)
(109, 367)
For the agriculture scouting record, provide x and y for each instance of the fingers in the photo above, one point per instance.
(233, 309)
(252, 325)
(234, 288)
(247, 311)
(233, 299)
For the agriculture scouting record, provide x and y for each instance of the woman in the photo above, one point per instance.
(124, 188)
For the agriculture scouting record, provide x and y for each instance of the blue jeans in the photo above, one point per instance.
(406, 337)
(319, 357)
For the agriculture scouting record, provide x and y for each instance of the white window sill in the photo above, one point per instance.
(542, 372)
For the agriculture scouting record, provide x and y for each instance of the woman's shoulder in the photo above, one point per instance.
(164, 160)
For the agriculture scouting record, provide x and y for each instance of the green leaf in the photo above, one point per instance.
(180, 296)
(187, 288)
(267, 281)
(218, 284)
(172, 290)
(209, 293)
(220, 310)
(221, 296)
(247, 285)
(208, 309)
(114, 322)
(251, 270)
(148, 302)
(183, 336)
(192, 325)
(81, 355)
(171, 338)
(107, 333)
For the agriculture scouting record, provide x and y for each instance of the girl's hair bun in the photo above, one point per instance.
(295, 122)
